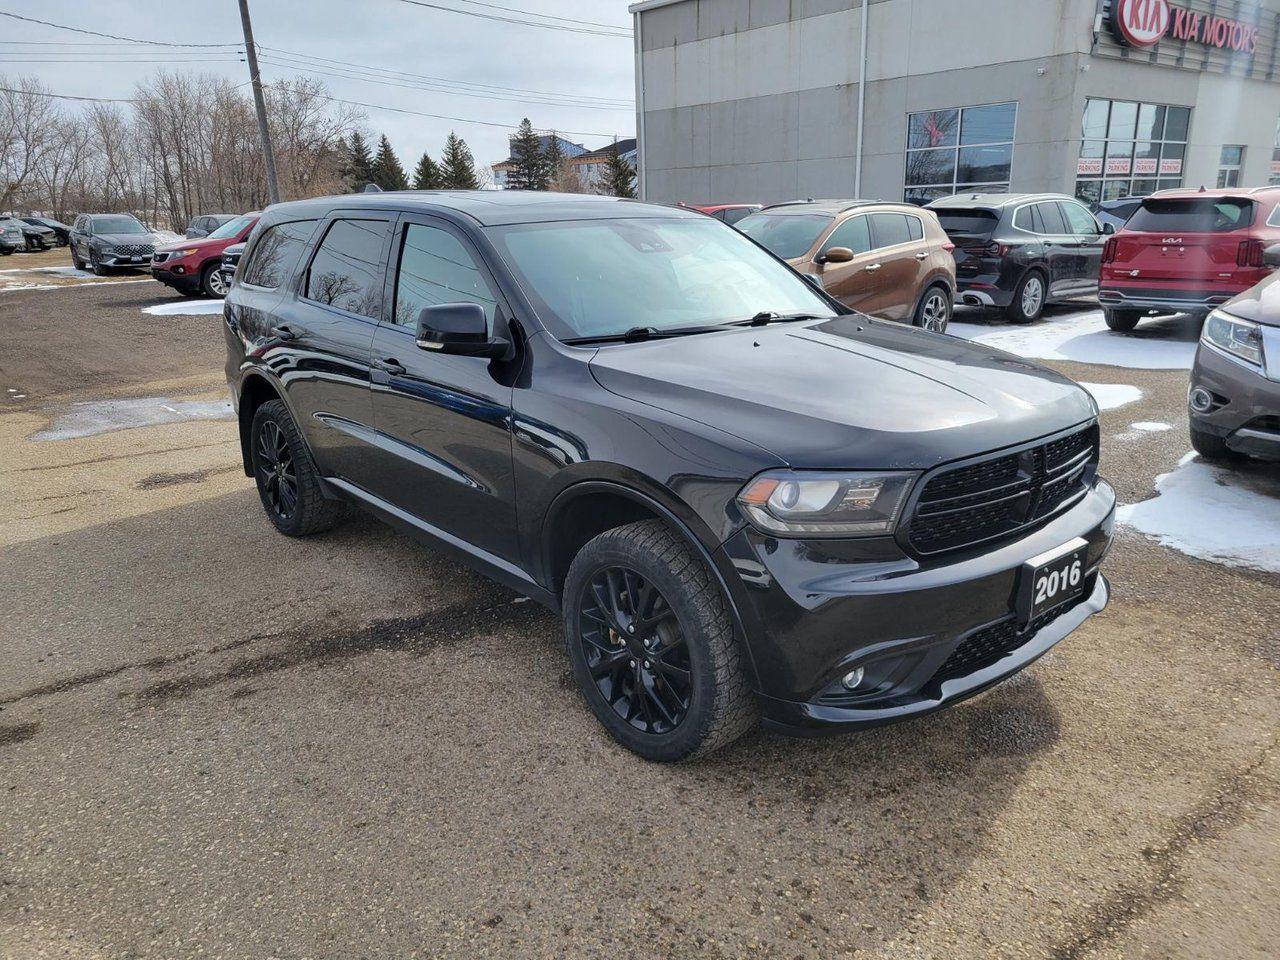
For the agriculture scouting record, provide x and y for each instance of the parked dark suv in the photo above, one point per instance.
(1020, 252)
(742, 498)
(103, 241)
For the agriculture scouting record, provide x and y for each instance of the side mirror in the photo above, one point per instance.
(461, 329)
(1108, 228)
(1271, 256)
(835, 255)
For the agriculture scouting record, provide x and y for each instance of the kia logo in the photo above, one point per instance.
(1172, 240)
(1141, 23)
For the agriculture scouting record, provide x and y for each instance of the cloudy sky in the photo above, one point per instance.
(580, 78)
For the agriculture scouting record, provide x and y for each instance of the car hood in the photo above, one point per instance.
(114, 239)
(1260, 303)
(848, 392)
(204, 245)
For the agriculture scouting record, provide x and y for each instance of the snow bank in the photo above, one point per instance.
(184, 308)
(103, 416)
(1167, 343)
(1111, 396)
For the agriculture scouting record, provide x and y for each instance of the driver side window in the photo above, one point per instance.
(436, 268)
(854, 233)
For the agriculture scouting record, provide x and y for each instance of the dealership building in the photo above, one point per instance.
(761, 100)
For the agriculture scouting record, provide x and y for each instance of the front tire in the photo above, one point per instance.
(287, 479)
(1122, 321)
(652, 644)
(1211, 447)
(212, 283)
(1029, 298)
(934, 310)
(98, 269)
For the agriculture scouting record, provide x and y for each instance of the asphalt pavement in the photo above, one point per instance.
(217, 742)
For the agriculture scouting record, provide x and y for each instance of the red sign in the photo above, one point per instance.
(1171, 166)
(1089, 167)
(1141, 23)
(1118, 165)
(1144, 23)
(1145, 166)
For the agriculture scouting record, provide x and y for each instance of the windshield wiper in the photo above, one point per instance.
(638, 334)
(766, 317)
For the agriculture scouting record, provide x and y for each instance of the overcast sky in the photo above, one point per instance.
(390, 34)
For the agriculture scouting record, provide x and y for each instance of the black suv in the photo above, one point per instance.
(104, 241)
(1020, 252)
(742, 498)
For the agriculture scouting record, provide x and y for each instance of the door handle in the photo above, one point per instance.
(284, 332)
(922, 256)
(390, 366)
(874, 266)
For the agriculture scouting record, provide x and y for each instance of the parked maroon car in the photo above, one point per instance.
(1188, 251)
(193, 267)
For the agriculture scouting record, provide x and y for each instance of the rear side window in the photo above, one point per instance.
(1023, 220)
(853, 233)
(1051, 218)
(436, 268)
(276, 253)
(347, 271)
(1274, 219)
(915, 227)
(969, 223)
(1191, 216)
(889, 229)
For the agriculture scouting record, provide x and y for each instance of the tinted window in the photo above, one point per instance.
(603, 277)
(915, 227)
(736, 214)
(970, 223)
(854, 233)
(1023, 219)
(103, 225)
(276, 253)
(889, 229)
(989, 124)
(347, 271)
(1079, 220)
(786, 235)
(1051, 218)
(436, 268)
(1191, 216)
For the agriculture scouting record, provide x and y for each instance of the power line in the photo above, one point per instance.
(110, 36)
(610, 32)
(437, 116)
(545, 16)
(161, 62)
(65, 96)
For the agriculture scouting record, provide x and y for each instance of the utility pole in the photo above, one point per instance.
(260, 104)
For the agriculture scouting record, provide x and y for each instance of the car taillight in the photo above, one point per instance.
(1109, 250)
(948, 246)
(994, 249)
(1249, 254)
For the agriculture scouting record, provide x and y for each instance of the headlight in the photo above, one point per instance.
(820, 504)
(184, 253)
(1240, 338)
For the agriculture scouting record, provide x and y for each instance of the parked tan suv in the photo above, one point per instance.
(890, 260)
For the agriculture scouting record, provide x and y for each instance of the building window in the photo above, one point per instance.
(1275, 159)
(1229, 165)
(1130, 149)
(960, 149)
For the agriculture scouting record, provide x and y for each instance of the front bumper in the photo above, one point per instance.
(1246, 411)
(928, 633)
(186, 282)
(110, 258)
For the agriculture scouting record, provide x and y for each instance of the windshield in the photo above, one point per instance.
(968, 223)
(787, 235)
(117, 225)
(231, 228)
(600, 278)
(1191, 216)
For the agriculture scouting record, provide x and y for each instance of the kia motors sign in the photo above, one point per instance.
(1140, 23)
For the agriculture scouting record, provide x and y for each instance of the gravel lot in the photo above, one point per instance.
(217, 742)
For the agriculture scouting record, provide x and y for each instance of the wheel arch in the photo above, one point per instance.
(256, 388)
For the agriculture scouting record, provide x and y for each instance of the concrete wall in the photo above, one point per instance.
(757, 99)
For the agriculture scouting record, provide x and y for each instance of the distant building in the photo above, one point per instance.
(591, 165)
(503, 168)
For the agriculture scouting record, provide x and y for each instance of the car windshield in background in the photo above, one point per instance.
(787, 235)
(230, 228)
(117, 225)
(969, 223)
(1191, 216)
(601, 278)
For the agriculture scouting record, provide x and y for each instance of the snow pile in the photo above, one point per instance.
(1150, 426)
(184, 308)
(1110, 396)
(1166, 343)
(103, 416)
(1228, 515)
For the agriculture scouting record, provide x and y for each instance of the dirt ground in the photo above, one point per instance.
(218, 742)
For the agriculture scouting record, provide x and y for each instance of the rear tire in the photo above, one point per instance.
(287, 479)
(1211, 447)
(652, 644)
(75, 260)
(1121, 321)
(933, 312)
(1029, 298)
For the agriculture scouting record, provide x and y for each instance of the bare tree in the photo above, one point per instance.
(27, 118)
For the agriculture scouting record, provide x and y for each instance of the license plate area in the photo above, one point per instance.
(1051, 579)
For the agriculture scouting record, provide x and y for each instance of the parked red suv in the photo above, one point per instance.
(192, 266)
(1187, 251)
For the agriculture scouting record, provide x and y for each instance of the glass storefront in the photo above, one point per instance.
(1130, 149)
(960, 149)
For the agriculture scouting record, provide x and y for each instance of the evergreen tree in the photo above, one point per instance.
(387, 172)
(530, 171)
(457, 166)
(426, 175)
(619, 176)
(357, 164)
(554, 155)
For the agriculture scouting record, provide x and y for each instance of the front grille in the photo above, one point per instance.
(133, 249)
(1002, 495)
(984, 647)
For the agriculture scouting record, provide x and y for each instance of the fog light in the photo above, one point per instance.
(853, 679)
(1201, 400)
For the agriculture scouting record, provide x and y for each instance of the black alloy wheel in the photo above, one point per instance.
(273, 464)
(288, 482)
(635, 649)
